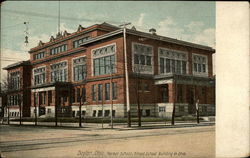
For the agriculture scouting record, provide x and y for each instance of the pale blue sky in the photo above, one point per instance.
(190, 21)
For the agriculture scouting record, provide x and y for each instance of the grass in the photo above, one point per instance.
(105, 120)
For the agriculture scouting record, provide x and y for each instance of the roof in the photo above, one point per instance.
(148, 35)
(21, 63)
(103, 26)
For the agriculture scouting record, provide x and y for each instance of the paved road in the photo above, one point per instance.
(29, 141)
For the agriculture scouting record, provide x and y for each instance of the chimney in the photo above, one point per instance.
(153, 31)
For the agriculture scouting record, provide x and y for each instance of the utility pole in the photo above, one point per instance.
(126, 73)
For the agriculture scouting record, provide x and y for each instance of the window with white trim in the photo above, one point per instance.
(58, 49)
(14, 79)
(79, 69)
(200, 66)
(162, 109)
(172, 61)
(77, 43)
(39, 76)
(103, 60)
(39, 55)
(142, 58)
(59, 72)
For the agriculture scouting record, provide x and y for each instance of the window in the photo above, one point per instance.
(35, 99)
(147, 112)
(49, 111)
(40, 98)
(73, 95)
(142, 58)
(199, 64)
(179, 93)
(39, 55)
(114, 90)
(77, 43)
(113, 113)
(107, 91)
(94, 92)
(161, 65)
(146, 87)
(78, 94)
(44, 97)
(204, 109)
(162, 109)
(136, 58)
(79, 68)
(164, 94)
(83, 95)
(14, 80)
(94, 113)
(148, 60)
(104, 60)
(49, 97)
(99, 113)
(106, 113)
(78, 113)
(58, 49)
(59, 72)
(39, 76)
(172, 61)
(181, 109)
(99, 92)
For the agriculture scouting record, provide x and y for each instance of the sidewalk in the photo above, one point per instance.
(121, 126)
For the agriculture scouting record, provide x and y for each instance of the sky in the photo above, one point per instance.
(188, 21)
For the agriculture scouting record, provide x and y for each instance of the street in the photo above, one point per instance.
(30, 141)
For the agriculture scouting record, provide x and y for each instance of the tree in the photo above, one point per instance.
(137, 90)
(4, 85)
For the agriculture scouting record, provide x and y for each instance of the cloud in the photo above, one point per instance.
(195, 26)
(63, 27)
(168, 27)
(141, 19)
(9, 56)
(206, 37)
(194, 32)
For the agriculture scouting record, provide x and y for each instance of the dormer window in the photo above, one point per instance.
(58, 49)
(39, 55)
(77, 43)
